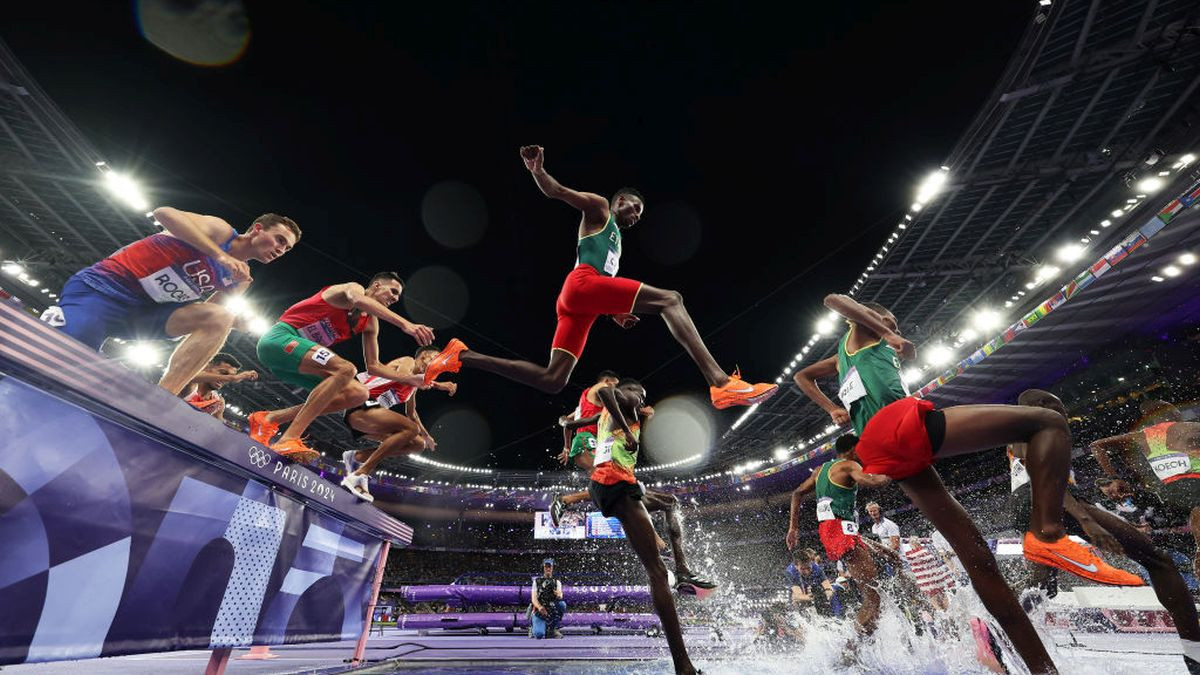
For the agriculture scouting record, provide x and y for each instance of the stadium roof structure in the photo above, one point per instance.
(56, 216)
(1099, 95)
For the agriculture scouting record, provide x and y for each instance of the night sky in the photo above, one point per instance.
(763, 141)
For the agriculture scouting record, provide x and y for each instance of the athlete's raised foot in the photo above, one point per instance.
(349, 462)
(1078, 560)
(357, 485)
(295, 450)
(739, 392)
(260, 430)
(690, 579)
(446, 362)
(557, 509)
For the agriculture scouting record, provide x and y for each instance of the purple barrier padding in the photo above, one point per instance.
(507, 620)
(520, 594)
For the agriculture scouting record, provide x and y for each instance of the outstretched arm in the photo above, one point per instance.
(867, 480)
(593, 206)
(865, 316)
(401, 372)
(354, 296)
(798, 497)
(613, 400)
(806, 379)
(1103, 448)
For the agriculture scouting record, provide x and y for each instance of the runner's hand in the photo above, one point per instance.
(534, 156)
(247, 375)
(904, 348)
(1100, 537)
(451, 388)
(421, 333)
(430, 444)
(647, 412)
(840, 416)
(238, 268)
(626, 321)
(564, 456)
(793, 538)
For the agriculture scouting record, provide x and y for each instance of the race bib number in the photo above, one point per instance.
(612, 263)
(1018, 474)
(849, 527)
(320, 332)
(167, 285)
(1168, 466)
(604, 451)
(852, 388)
(388, 399)
(825, 509)
(590, 442)
(322, 356)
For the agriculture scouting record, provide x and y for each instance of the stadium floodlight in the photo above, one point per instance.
(142, 354)
(13, 268)
(968, 335)
(938, 355)
(824, 327)
(1045, 273)
(31, 281)
(912, 375)
(1188, 158)
(1187, 259)
(1070, 253)
(916, 206)
(931, 186)
(124, 188)
(1117, 213)
(1157, 279)
(781, 453)
(1150, 185)
(985, 320)
(238, 304)
(1105, 223)
(1172, 271)
(258, 326)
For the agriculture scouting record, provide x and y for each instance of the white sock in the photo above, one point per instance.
(1191, 649)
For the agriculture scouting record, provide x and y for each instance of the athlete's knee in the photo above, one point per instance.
(1048, 420)
(553, 382)
(345, 370)
(210, 317)
(671, 299)
(356, 394)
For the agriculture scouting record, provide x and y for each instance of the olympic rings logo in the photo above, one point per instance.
(259, 457)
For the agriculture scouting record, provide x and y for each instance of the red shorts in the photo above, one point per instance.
(895, 442)
(586, 294)
(836, 536)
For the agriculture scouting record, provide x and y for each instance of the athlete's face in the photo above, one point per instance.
(423, 360)
(627, 209)
(267, 244)
(220, 369)
(637, 392)
(385, 291)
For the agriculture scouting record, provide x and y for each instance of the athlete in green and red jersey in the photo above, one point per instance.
(296, 350)
(900, 437)
(592, 290)
(836, 486)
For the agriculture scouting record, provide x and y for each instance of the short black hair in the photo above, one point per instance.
(632, 192)
(608, 373)
(426, 348)
(223, 357)
(875, 307)
(845, 443)
(386, 276)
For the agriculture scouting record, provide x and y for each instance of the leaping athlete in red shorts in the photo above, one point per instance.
(592, 290)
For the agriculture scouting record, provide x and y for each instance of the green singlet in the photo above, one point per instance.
(601, 250)
(833, 500)
(584, 441)
(868, 380)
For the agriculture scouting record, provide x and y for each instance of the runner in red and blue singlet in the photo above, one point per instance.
(155, 288)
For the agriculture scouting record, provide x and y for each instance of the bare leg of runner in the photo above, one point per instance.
(927, 493)
(635, 520)
(550, 378)
(669, 305)
(669, 505)
(971, 428)
(206, 327)
(339, 384)
(866, 574)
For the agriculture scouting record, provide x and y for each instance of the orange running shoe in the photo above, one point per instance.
(261, 430)
(738, 392)
(295, 450)
(1077, 559)
(446, 362)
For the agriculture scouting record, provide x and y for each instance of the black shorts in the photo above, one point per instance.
(1181, 496)
(354, 433)
(606, 497)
